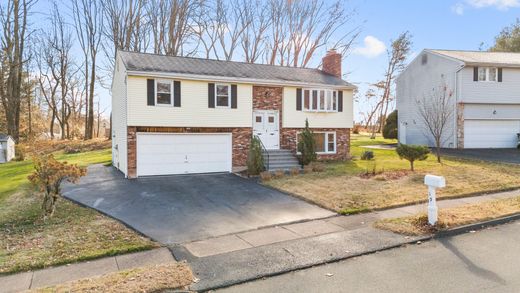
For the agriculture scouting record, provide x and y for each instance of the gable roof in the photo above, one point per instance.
(4, 137)
(507, 59)
(153, 63)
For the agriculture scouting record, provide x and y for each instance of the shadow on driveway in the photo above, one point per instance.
(493, 155)
(182, 208)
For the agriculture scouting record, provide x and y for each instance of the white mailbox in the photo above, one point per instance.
(433, 182)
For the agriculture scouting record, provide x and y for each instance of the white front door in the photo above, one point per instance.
(267, 127)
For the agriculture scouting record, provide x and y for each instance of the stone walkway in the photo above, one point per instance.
(62, 274)
(271, 235)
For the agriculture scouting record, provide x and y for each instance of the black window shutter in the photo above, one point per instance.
(211, 95)
(298, 99)
(500, 75)
(176, 93)
(340, 101)
(151, 92)
(475, 73)
(234, 96)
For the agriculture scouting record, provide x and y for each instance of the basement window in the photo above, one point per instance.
(325, 142)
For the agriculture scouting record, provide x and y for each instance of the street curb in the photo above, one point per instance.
(476, 226)
(303, 267)
(442, 234)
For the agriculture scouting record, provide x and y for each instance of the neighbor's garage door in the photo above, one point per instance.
(490, 133)
(164, 154)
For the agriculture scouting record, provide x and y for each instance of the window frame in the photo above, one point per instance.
(228, 85)
(334, 96)
(170, 81)
(487, 74)
(326, 142)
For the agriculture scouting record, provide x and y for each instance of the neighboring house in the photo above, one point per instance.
(486, 97)
(177, 115)
(7, 151)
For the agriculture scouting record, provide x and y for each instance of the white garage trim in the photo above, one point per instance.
(485, 133)
(183, 153)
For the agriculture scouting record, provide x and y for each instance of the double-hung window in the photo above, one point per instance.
(488, 74)
(163, 92)
(320, 100)
(223, 95)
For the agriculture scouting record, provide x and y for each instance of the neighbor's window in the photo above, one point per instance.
(222, 95)
(325, 142)
(487, 74)
(320, 100)
(163, 92)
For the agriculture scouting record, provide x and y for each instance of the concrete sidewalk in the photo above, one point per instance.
(245, 256)
(62, 274)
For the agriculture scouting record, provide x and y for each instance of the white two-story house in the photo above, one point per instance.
(178, 115)
(486, 97)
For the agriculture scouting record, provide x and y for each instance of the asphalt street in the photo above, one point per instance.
(484, 261)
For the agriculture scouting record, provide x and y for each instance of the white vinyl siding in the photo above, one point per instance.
(194, 101)
(119, 118)
(505, 92)
(291, 118)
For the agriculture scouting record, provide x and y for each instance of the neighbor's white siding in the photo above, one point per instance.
(119, 118)
(296, 119)
(419, 81)
(505, 92)
(194, 110)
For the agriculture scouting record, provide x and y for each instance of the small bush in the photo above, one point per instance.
(19, 154)
(255, 159)
(278, 174)
(317, 167)
(307, 145)
(307, 169)
(390, 129)
(412, 153)
(266, 176)
(48, 175)
(295, 171)
(356, 129)
(367, 155)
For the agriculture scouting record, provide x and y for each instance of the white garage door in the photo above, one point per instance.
(490, 133)
(164, 154)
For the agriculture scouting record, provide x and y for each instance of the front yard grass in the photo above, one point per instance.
(341, 188)
(452, 217)
(145, 279)
(73, 234)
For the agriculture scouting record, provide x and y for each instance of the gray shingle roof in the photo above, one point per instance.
(145, 62)
(4, 137)
(483, 57)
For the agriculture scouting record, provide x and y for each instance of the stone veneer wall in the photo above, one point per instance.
(460, 125)
(241, 138)
(342, 142)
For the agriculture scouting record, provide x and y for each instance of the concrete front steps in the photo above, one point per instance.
(280, 160)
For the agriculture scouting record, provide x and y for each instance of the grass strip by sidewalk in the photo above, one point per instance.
(452, 217)
(144, 279)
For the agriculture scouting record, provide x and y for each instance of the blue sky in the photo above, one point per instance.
(434, 24)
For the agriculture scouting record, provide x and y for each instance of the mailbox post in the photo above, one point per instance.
(433, 182)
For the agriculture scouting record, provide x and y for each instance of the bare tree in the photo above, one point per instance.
(436, 111)
(13, 23)
(88, 20)
(256, 21)
(397, 56)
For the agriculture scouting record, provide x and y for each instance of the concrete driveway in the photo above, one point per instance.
(178, 209)
(493, 155)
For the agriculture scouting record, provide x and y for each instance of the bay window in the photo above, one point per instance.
(320, 100)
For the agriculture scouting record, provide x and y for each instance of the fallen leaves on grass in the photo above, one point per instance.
(452, 217)
(144, 279)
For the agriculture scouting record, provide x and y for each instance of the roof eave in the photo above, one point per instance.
(234, 79)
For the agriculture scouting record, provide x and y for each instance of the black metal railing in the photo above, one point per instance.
(264, 150)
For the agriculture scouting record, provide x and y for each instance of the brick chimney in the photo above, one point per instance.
(331, 63)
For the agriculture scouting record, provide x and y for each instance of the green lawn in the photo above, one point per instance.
(73, 234)
(341, 188)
